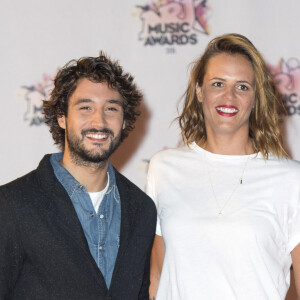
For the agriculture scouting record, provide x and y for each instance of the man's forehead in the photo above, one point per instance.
(88, 89)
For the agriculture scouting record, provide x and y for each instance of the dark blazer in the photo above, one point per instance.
(43, 250)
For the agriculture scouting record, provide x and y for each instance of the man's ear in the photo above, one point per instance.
(124, 125)
(62, 121)
(199, 92)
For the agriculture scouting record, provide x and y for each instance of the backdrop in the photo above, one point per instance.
(155, 41)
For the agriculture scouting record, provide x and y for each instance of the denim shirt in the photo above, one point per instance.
(102, 228)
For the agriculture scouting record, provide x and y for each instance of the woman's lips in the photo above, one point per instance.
(227, 110)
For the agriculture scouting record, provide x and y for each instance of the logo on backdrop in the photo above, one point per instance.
(34, 95)
(173, 22)
(287, 78)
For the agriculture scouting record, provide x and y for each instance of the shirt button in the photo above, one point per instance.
(100, 247)
(91, 214)
(101, 216)
(81, 187)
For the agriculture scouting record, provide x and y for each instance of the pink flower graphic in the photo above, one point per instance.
(174, 17)
(287, 76)
(34, 95)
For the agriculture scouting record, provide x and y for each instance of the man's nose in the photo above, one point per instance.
(98, 119)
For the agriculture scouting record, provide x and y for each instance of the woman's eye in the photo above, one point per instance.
(218, 84)
(243, 87)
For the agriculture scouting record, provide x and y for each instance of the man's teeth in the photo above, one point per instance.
(227, 110)
(97, 135)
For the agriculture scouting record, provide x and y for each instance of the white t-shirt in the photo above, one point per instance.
(243, 254)
(97, 197)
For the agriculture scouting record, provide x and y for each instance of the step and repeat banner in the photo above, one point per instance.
(155, 41)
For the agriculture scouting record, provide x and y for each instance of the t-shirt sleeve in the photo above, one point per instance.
(151, 192)
(294, 225)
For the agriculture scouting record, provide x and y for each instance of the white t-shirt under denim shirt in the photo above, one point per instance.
(97, 197)
(243, 254)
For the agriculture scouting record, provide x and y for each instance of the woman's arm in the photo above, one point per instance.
(156, 262)
(296, 267)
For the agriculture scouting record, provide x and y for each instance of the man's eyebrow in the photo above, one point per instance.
(84, 100)
(114, 101)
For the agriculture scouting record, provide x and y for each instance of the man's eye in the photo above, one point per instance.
(85, 108)
(111, 108)
(218, 84)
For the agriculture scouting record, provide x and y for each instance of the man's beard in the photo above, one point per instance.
(84, 157)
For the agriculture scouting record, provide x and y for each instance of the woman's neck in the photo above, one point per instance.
(228, 146)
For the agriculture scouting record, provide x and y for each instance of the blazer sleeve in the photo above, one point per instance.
(10, 257)
(144, 291)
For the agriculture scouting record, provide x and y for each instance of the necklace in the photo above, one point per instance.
(240, 182)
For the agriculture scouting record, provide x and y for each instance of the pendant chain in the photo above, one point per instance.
(221, 208)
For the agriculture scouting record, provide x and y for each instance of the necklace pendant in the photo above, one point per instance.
(238, 183)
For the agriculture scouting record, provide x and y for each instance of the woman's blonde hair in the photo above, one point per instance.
(263, 122)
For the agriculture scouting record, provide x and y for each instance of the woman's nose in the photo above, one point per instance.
(229, 93)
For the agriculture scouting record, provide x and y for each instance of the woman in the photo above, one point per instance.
(228, 202)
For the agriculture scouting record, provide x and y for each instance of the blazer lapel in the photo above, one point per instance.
(64, 213)
(58, 204)
(129, 207)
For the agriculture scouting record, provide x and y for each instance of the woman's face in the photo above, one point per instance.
(227, 95)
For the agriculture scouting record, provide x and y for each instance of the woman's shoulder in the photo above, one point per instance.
(170, 154)
(285, 164)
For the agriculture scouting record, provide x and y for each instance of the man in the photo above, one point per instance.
(75, 228)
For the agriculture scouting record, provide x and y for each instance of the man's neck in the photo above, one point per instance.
(91, 175)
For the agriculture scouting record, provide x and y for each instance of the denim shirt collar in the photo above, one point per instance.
(70, 183)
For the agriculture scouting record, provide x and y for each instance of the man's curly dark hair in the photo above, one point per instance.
(97, 69)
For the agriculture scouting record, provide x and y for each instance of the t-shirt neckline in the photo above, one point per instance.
(213, 156)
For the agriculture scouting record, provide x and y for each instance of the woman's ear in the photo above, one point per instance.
(199, 92)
